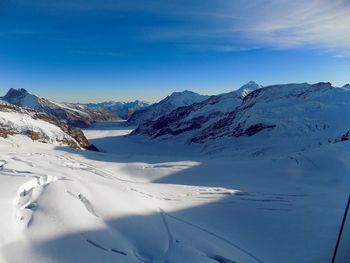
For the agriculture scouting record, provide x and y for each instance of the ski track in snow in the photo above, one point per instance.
(201, 192)
(169, 235)
(99, 246)
(252, 256)
(75, 164)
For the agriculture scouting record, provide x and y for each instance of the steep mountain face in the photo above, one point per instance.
(39, 126)
(198, 116)
(71, 113)
(122, 109)
(165, 106)
(292, 116)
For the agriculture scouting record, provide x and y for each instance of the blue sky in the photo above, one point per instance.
(97, 50)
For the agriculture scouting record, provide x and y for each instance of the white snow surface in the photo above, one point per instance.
(22, 122)
(138, 201)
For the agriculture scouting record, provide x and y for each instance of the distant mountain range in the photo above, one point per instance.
(253, 119)
(122, 109)
(74, 114)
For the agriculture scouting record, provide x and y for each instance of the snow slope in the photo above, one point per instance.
(38, 126)
(281, 118)
(138, 203)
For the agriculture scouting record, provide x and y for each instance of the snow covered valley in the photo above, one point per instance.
(142, 201)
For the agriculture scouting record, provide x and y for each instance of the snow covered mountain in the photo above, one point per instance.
(122, 109)
(196, 116)
(40, 127)
(71, 113)
(308, 115)
(165, 106)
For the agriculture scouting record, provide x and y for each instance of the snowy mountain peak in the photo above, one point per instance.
(248, 88)
(183, 98)
(16, 92)
(165, 106)
(22, 98)
(180, 93)
(251, 83)
(324, 85)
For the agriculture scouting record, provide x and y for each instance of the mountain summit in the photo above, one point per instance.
(165, 106)
(184, 120)
(15, 93)
(22, 98)
(248, 88)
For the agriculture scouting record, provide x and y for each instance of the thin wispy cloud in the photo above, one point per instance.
(293, 24)
(228, 25)
(279, 24)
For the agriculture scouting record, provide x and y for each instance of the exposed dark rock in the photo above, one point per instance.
(75, 133)
(5, 132)
(252, 130)
(343, 138)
